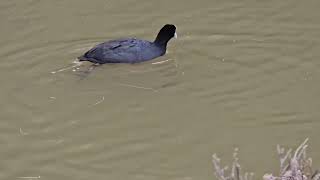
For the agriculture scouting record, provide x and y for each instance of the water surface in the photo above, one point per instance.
(242, 74)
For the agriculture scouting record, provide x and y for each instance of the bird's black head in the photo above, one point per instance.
(165, 34)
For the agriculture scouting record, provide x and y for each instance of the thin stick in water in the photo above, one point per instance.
(139, 87)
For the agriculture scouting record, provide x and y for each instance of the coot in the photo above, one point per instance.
(130, 50)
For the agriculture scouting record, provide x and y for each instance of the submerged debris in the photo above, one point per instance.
(296, 166)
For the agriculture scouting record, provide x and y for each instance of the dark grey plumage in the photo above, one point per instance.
(130, 50)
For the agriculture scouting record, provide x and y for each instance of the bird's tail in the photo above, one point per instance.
(82, 58)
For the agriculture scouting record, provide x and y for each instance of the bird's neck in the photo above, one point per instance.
(161, 41)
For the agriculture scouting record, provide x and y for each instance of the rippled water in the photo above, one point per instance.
(241, 74)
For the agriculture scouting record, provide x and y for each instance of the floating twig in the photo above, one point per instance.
(22, 132)
(161, 62)
(31, 177)
(98, 102)
(139, 87)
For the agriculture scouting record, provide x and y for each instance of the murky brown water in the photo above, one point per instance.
(242, 74)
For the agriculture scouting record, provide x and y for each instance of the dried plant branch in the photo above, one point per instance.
(234, 173)
(293, 166)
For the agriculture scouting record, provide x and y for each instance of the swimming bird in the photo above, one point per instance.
(130, 50)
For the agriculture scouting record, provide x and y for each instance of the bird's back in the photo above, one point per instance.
(123, 51)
